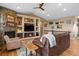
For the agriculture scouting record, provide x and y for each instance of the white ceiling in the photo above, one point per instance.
(52, 10)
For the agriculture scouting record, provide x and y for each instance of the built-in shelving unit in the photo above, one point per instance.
(27, 26)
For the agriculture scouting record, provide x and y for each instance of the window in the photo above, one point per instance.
(69, 21)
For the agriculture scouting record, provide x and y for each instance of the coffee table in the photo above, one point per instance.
(30, 47)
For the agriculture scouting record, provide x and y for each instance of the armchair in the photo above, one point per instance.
(12, 43)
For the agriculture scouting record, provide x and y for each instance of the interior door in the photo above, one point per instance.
(0, 21)
(78, 26)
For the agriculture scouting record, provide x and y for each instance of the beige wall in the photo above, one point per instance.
(67, 25)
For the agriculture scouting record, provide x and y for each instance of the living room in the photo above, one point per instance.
(23, 25)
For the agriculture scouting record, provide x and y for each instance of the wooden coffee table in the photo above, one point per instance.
(30, 47)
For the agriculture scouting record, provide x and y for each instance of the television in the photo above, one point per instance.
(28, 27)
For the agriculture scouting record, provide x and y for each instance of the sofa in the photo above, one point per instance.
(62, 44)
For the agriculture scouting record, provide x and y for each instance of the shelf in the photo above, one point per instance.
(19, 20)
(37, 29)
(20, 35)
(19, 25)
(29, 32)
(29, 21)
(37, 26)
(19, 32)
(37, 33)
(31, 37)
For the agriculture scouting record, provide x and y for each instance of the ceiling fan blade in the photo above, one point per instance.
(40, 5)
(36, 7)
(42, 9)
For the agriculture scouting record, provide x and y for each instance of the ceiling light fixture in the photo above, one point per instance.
(65, 9)
(60, 4)
(77, 16)
(18, 7)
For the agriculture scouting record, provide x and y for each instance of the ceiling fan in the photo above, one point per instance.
(40, 7)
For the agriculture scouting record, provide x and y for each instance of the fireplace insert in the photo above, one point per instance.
(11, 34)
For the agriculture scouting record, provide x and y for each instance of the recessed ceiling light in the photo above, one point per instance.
(18, 7)
(65, 9)
(60, 4)
(77, 16)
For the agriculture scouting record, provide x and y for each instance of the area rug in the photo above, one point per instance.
(22, 51)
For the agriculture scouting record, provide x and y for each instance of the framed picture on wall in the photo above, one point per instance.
(56, 22)
(50, 23)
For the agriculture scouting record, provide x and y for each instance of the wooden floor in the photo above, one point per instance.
(4, 52)
(72, 51)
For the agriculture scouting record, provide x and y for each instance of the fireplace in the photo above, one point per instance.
(11, 34)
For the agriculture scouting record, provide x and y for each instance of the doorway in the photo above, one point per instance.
(78, 27)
